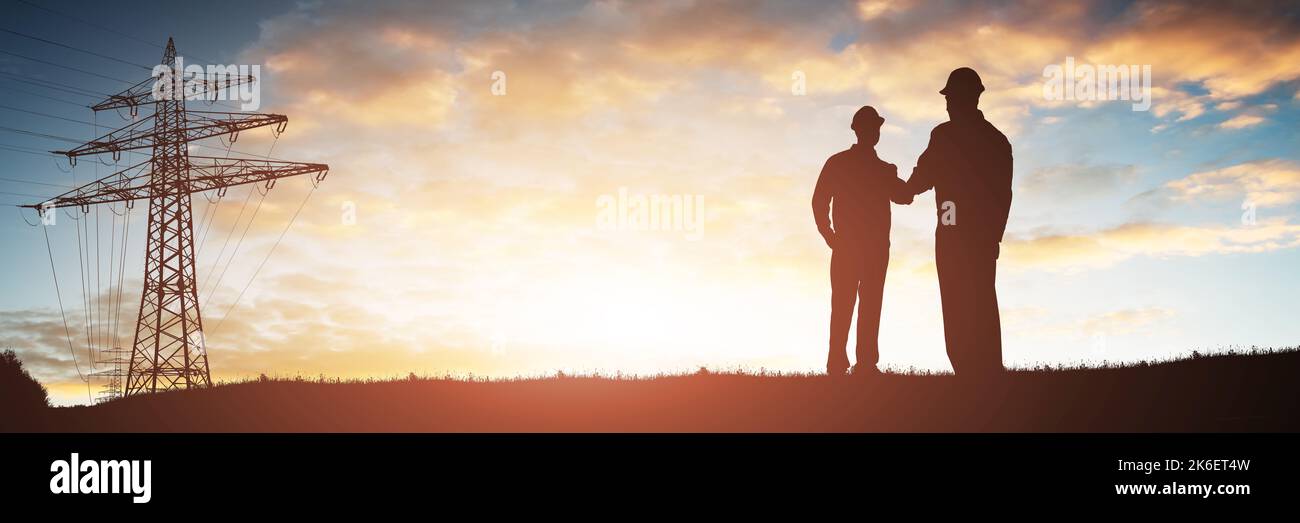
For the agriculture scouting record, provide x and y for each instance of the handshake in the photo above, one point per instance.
(901, 193)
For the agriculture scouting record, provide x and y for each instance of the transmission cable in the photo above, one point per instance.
(67, 333)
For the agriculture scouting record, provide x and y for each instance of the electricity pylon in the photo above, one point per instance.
(169, 351)
(116, 359)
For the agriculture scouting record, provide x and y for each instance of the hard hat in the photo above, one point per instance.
(865, 116)
(963, 80)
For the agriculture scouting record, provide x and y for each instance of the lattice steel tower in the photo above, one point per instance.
(169, 351)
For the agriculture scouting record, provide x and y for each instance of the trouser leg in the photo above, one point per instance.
(972, 323)
(844, 290)
(954, 292)
(871, 294)
(985, 308)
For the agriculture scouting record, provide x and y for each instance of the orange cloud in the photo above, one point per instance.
(1105, 248)
(1265, 183)
(1242, 121)
(1124, 321)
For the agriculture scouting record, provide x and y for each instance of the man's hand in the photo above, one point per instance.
(903, 193)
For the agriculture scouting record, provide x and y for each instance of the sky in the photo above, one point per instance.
(473, 146)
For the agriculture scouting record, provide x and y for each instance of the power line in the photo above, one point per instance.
(101, 27)
(99, 286)
(31, 152)
(47, 115)
(93, 53)
(106, 331)
(24, 148)
(209, 216)
(83, 265)
(35, 183)
(47, 97)
(48, 84)
(24, 195)
(149, 68)
(117, 321)
(70, 89)
(67, 333)
(203, 284)
(68, 67)
(74, 48)
(264, 260)
(231, 260)
(236, 151)
(40, 135)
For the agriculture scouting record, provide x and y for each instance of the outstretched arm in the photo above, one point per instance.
(927, 168)
(821, 206)
(898, 191)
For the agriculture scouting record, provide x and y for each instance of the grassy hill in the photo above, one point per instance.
(1236, 392)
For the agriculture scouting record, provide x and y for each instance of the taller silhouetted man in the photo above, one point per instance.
(851, 208)
(968, 163)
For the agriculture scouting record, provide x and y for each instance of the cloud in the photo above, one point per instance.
(1124, 321)
(39, 339)
(1232, 50)
(1108, 247)
(1242, 121)
(1074, 181)
(1043, 323)
(872, 9)
(1169, 102)
(1264, 183)
(463, 195)
(409, 64)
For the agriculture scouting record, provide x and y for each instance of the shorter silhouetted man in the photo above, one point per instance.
(851, 208)
(968, 163)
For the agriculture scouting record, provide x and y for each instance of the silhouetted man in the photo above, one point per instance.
(968, 163)
(851, 208)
